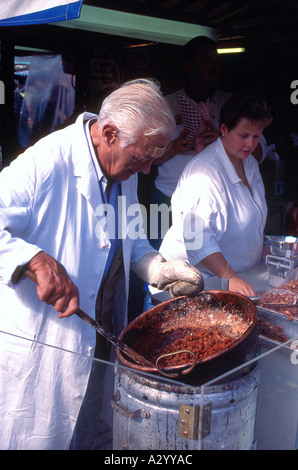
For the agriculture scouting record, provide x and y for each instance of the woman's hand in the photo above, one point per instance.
(218, 265)
(238, 285)
(54, 286)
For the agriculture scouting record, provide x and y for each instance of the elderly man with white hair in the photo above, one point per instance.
(53, 222)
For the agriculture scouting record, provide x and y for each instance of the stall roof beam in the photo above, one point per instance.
(130, 25)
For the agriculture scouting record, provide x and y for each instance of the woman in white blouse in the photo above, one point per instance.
(219, 207)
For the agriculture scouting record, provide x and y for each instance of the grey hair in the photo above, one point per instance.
(137, 108)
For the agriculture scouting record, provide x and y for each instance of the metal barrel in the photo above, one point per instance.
(150, 414)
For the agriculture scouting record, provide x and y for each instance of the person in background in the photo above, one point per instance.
(219, 206)
(196, 108)
(54, 222)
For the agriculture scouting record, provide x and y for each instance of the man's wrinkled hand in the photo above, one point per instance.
(54, 286)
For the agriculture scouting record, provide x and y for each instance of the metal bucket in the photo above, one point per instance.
(153, 415)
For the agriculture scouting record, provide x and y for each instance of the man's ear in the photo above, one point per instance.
(109, 134)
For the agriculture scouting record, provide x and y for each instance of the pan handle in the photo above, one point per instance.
(184, 369)
(100, 329)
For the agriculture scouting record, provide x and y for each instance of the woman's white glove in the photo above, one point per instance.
(175, 275)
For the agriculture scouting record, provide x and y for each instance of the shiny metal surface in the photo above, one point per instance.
(284, 246)
(144, 333)
(150, 414)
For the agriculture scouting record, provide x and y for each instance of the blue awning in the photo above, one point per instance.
(16, 13)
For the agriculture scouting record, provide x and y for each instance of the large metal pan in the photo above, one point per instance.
(153, 333)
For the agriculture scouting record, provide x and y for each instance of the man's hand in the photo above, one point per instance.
(179, 278)
(175, 275)
(210, 135)
(178, 146)
(181, 144)
(54, 286)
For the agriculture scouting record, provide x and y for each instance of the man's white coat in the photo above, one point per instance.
(48, 201)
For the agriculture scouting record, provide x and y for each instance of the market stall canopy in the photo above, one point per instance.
(149, 28)
(270, 20)
(16, 13)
